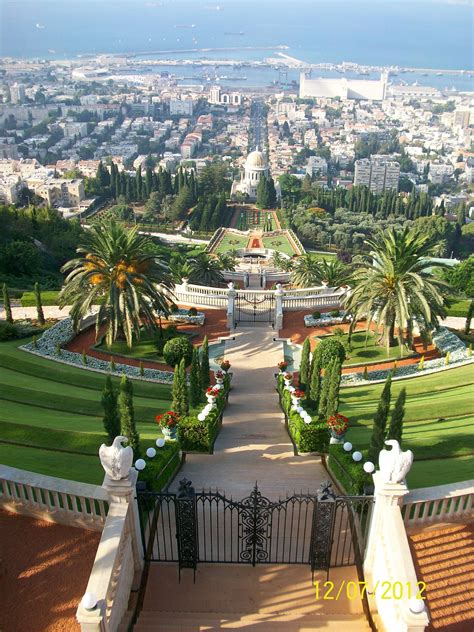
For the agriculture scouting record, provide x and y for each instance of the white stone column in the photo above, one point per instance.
(385, 495)
(123, 491)
(231, 294)
(92, 620)
(279, 293)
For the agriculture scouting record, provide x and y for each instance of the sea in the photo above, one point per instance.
(435, 34)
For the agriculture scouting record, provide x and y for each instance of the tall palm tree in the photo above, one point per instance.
(334, 273)
(394, 285)
(205, 270)
(277, 260)
(117, 270)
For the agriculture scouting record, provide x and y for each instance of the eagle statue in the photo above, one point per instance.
(115, 459)
(394, 464)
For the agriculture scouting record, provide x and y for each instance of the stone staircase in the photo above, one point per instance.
(201, 622)
(267, 598)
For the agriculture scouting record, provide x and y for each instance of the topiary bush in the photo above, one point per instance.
(176, 349)
(316, 315)
(328, 349)
(192, 311)
(348, 473)
(8, 331)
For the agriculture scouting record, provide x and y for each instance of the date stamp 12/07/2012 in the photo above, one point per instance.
(329, 591)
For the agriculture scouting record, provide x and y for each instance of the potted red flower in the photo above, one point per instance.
(288, 377)
(338, 425)
(225, 365)
(219, 375)
(211, 394)
(282, 366)
(168, 423)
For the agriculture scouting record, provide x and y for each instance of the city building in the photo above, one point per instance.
(17, 93)
(316, 166)
(358, 89)
(378, 173)
(57, 191)
(181, 107)
(218, 97)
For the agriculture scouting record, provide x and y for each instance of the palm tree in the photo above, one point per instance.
(334, 273)
(228, 261)
(306, 271)
(394, 285)
(118, 271)
(277, 260)
(205, 270)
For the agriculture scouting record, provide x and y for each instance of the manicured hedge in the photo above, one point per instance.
(199, 436)
(313, 437)
(159, 469)
(346, 471)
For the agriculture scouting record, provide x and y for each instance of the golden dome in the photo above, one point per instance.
(256, 160)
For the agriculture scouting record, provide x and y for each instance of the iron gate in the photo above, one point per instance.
(253, 307)
(320, 530)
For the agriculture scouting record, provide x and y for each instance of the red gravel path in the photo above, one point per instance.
(295, 329)
(44, 569)
(215, 326)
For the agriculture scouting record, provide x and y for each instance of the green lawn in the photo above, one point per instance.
(231, 241)
(361, 352)
(459, 308)
(439, 423)
(143, 349)
(45, 404)
(281, 243)
(253, 218)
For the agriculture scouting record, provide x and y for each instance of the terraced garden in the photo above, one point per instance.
(439, 423)
(51, 416)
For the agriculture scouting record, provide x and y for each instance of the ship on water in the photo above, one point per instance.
(234, 33)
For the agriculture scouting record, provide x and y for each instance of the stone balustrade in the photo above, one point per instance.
(53, 499)
(444, 503)
(388, 563)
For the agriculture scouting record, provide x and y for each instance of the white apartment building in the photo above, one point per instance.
(181, 107)
(17, 93)
(9, 187)
(439, 173)
(378, 173)
(316, 166)
(218, 97)
(58, 191)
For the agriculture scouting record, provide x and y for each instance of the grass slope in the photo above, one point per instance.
(439, 423)
(54, 412)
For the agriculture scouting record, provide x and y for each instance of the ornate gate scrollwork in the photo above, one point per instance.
(255, 527)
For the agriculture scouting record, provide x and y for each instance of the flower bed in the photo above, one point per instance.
(325, 320)
(183, 316)
(445, 342)
(307, 437)
(63, 332)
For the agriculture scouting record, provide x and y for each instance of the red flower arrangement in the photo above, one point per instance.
(225, 365)
(299, 394)
(168, 420)
(288, 376)
(219, 374)
(338, 423)
(214, 392)
(282, 365)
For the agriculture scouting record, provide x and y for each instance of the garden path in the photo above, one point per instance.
(253, 444)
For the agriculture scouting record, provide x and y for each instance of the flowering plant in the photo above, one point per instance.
(219, 375)
(338, 423)
(168, 420)
(299, 394)
(282, 365)
(288, 376)
(225, 365)
(213, 392)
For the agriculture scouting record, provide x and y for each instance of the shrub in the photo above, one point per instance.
(334, 313)
(192, 311)
(84, 357)
(316, 315)
(421, 363)
(174, 309)
(328, 349)
(347, 472)
(366, 373)
(8, 331)
(142, 369)
(176, 350)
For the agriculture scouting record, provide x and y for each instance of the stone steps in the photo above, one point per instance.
(210, 622)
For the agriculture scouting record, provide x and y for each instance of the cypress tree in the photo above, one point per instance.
(315, 383)
(323, 398)
(111, 417)
(6, 304)
(127, 415)
(469, 317)
(180, 403)
(305, 364)
(39, 306)
(334, 386)
(139, 184)
(396, 421)
(380, 422)
(195, 391)
(205, 379)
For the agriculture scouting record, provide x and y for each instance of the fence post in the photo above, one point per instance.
(231, 294)
(186, 526)
(279, 293)
(124, 491)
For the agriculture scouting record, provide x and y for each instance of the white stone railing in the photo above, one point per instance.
(443, 503)
(311, 299)
(111, 578)
(388, 563)
(201, 295)
(53, 499)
